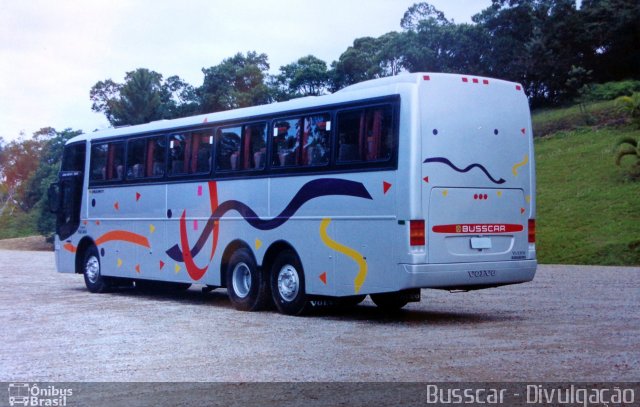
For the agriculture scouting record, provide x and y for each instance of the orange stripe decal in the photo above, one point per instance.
(123, 235)
(70, 247)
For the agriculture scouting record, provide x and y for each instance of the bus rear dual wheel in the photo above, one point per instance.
(251, 288)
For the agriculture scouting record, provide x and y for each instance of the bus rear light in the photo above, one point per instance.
(416, 233)
(532, 230)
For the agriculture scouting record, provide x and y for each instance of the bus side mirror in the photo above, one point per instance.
(53, 195)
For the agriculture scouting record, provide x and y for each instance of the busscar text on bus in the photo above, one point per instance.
(384, 188)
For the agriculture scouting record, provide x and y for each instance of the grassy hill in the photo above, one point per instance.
(588, 208)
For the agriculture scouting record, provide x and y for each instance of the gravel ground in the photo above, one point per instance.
(572, 323)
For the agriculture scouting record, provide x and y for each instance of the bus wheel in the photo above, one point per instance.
(390, 301)
(287, 284)
(93, 279)
(247, 287)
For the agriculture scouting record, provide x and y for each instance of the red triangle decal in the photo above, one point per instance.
(523, 130)
(323, 277)
(522, 210)
(137, 268)
(161, 264)
(117, 206)
(138, 196)
(426, 179)
(385, 186)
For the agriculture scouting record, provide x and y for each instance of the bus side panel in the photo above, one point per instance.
(65, 259)
(342, 233)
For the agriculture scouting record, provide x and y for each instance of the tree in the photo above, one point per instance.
(142, 98)
(360, 62)
(306, 77)
(18, 162)
(420, 12)
(239, 81)
(535, 42)
(45, 174)
(611, 29)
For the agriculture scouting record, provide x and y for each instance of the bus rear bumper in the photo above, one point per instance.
(466, 275)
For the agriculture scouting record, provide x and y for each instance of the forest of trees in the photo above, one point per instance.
(553, 47)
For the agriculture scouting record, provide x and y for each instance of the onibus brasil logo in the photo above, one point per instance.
(24, 394)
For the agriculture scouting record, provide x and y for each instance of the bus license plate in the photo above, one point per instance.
(480, 243)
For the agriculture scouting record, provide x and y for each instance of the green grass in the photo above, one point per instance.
(588, 208)
(550, 121)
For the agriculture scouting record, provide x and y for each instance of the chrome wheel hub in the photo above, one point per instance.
(288, 283)
(241, 280)
(92, 269)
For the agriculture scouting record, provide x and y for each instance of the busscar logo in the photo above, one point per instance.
(478, 228)
(24, 394)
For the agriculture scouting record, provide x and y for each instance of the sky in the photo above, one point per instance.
(53, 52)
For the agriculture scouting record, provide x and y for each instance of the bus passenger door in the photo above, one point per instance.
(67, 204)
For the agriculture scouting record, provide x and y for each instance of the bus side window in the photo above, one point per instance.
(365, 134)
(286, 143)
(349, 136)
(98, 165)
(315, 139)
(135, 158)
(201, 152)
(228, 151)
(255, 146)
(115, 162)
(156, 153)
(179, 147)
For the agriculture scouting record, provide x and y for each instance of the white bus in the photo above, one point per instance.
(388, 186)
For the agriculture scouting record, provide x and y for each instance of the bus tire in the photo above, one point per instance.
(92, 271)
(247, 286)
(287, 284)
(389, 301)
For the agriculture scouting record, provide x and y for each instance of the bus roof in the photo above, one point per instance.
(363, 90)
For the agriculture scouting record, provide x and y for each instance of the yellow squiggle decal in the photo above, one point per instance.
(347, 251)
(520, 164)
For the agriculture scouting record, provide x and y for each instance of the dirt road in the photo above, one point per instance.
(570, 323)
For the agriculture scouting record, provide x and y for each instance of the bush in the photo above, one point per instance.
(609, 90)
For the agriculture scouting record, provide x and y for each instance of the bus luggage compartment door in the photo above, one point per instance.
(476, 225)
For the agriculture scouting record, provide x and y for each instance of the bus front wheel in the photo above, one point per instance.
(287, 284)
(93, 278)
(247, 286)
